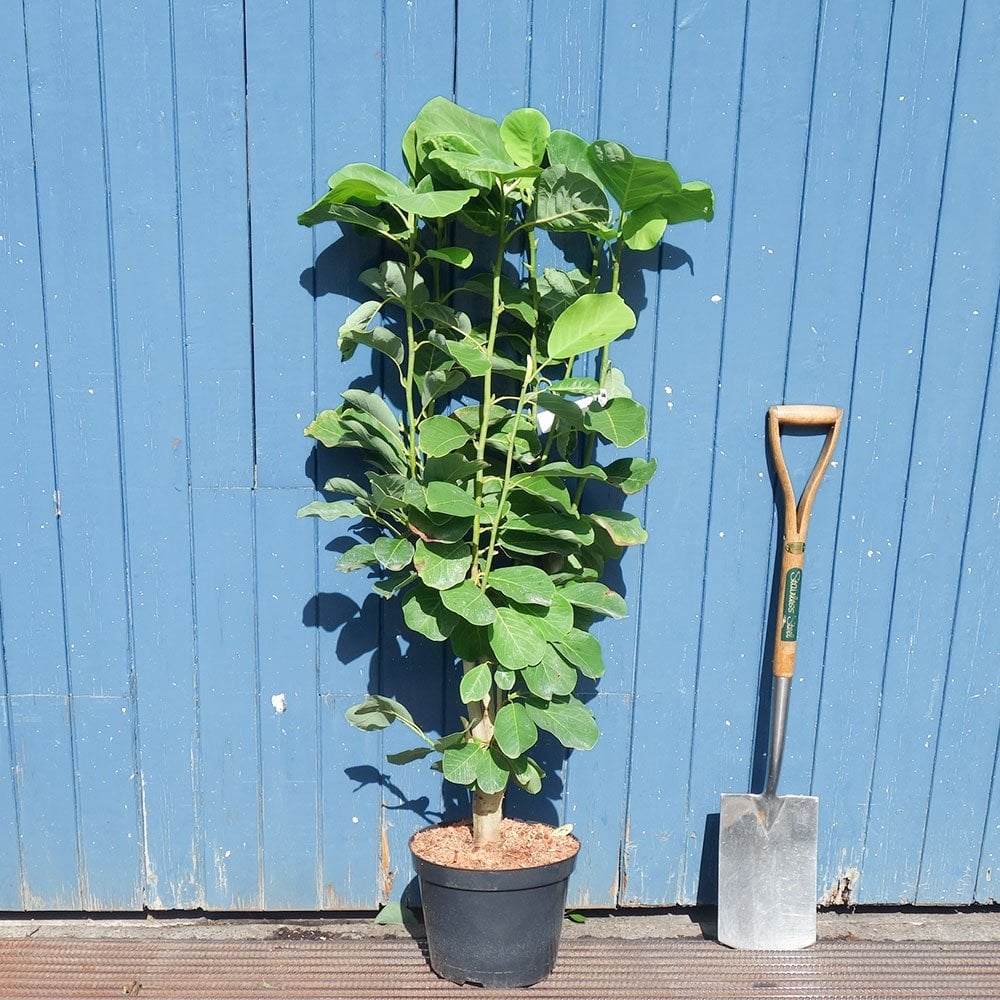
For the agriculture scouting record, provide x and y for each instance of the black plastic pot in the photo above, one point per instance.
(493, 928)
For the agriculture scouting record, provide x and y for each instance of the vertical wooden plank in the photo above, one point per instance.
(956, 459)
(344, 612)
(69, 134)
(288, 706)
(212, 185)
(492, 56)
(891, 332)
(140, 128)
(34, 656)
(230, 779)
(705, 87)
(757, 306)
(10, 870)
(843, 145)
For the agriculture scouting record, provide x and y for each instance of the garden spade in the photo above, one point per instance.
(767, 843)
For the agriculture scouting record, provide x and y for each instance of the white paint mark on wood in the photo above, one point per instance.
(279, 703)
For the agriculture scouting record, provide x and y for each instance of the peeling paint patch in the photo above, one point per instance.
(841, 891)
(279, 703)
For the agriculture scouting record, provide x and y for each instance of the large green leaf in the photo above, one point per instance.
(470, 642)
(329, 511)
(393, 553)
(364, 183)
(515, 640)
(527, 774)
(389, 280)
(442, 124)
(442, 565)
(644, 227)
(525, 133)
(440, 435)
(424, 613)
(571, 151)
(622, 421)
(553, 524)
(622, 528)
(470, 603)
(378, 339)
(326, 428)
(596, 597)
(457, 256)
(584, 652)
(524, 584)
(492, 771)
(546, 488)
(564, 470)
(376, 712)
(327, 209)
(633, 181)
(513, 730)
(431, 204)
(558, 289)
(592, 321)
(375, 406)
(552, 623)
(552, 676)
(439, 382)
(446, 498)
(459, 763)
(362, 554)
(630, 475)
(568, 202)
(695, 200)
(408, 756)
(475, 684)
(567, 719)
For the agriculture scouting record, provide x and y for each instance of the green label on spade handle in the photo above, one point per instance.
(793, 592)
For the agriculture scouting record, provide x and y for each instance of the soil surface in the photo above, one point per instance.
(522, 845)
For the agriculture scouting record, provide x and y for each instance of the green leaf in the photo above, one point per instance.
(362, 316)
(331, 511)
(378, 339)
(407, 756)
(470, 354)
(565, 527)
(392, 583)
(552, 676)
(430, 204)
(504, 678)
(364, 183)
(470, 603)
(545, 488)
(567, 719)
(695, 200)
(389, 280)
(576, 386)
(375, 406)
(570, 415)
(552, 623)
(571, 151)
(597, 597)
(471, 642)
(592, 321)
(634, 181)
(524, 133)
(424, 613)
(527, 774)
(393, 553)
(471, 168)
(440, 435)
(491, 772)
(567, 202)
(376, 712)
(630, 475)
(458, 256)
(558, 289)
(446, 498)
(644, 227)
(346, 486)
(513, 730)
(438, 383)
(515, 640)
(584, 652)
(524, 584)
(622, 528)
(448, 529)
(327, 428)
(459, 763)
(622, 421)
(442, 565)
(357, 556)
(476, 684)
(327, 209)
(397, 913)
(564, 470)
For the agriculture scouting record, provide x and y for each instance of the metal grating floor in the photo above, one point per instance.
(397, 968)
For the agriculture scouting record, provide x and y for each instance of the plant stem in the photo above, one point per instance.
(411, 352)
(487, 807)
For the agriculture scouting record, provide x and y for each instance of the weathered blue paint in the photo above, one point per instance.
(177, 648)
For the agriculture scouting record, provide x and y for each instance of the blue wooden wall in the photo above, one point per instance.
(177, 650)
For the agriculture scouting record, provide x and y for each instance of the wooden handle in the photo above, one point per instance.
(796, 522)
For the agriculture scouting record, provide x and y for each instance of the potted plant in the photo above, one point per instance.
(475, 483)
